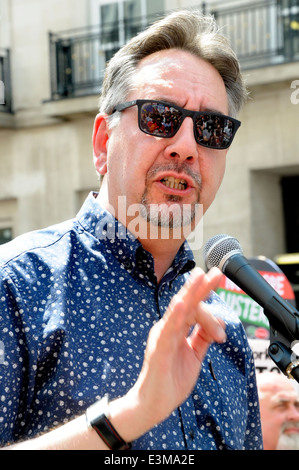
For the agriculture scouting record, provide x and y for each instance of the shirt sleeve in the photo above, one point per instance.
(15, 358)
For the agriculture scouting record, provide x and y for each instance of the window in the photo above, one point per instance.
(120, 21)
(79, 57)
(5, 235)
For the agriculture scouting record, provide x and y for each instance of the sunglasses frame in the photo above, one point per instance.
(185, 113)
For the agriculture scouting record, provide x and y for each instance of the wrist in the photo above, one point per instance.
(128, 416)
(98, 419)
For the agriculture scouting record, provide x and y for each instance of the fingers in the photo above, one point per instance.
(197, 288)
(187, 308)
(173, 357)
(200, 284)
(210, 329)
(199, 342)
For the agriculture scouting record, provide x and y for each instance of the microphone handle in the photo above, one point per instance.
(282, 316)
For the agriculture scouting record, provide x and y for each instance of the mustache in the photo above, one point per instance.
(183, 168)
(288, 424)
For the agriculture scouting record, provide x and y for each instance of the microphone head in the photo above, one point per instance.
(219, 249)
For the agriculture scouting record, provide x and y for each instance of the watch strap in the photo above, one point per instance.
(97, 417)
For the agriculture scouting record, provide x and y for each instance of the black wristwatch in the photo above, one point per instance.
(97, 417)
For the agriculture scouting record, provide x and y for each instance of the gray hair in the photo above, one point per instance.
(186, 30)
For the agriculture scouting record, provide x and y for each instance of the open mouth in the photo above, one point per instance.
(174, 183)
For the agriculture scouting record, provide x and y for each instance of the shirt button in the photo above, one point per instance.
(191, 435)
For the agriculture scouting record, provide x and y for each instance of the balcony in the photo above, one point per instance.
(263, 33)
(78, 57)
(5, 82)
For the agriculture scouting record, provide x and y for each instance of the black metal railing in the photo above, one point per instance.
(261, 32)
(78, 57)
(5, 82)
(264, 32)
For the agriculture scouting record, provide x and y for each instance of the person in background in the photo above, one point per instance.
(279, 406)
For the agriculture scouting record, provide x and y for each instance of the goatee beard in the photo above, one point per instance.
(174, 215)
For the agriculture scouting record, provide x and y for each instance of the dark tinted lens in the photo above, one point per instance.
(159, 119)
(214, 131)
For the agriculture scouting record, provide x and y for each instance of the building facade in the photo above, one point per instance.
(52, 58)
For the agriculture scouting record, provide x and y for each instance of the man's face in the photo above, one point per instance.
(142, 167)
(279, 406)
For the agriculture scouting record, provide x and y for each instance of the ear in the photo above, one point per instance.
(99, 140)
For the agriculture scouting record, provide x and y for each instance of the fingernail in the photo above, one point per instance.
(221, 335)
(195, 272)
(212, 272)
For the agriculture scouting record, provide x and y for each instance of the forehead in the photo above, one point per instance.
(285, 395)
(179, 74)
(279, 392)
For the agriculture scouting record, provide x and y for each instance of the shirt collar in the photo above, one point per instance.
(125, 247)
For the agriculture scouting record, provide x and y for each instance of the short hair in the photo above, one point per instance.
(185, 30)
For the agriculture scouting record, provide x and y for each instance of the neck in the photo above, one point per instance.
(162, 245)
(163, 253)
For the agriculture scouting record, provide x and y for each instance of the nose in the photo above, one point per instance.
(294, 412)
(183, 146)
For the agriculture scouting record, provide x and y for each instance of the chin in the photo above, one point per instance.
(288, 442)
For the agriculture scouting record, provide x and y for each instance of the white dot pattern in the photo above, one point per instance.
(75, 313)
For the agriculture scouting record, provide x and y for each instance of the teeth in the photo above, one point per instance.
(174, 183)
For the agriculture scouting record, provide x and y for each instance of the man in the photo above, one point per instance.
(279, 405)
(99, 305)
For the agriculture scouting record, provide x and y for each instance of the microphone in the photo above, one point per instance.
(225, 253)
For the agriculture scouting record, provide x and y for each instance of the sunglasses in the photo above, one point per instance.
(211, 130)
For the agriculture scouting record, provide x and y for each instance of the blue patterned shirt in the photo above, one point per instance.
(77, 302)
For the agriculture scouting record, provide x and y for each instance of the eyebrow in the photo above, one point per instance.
(283, 401)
